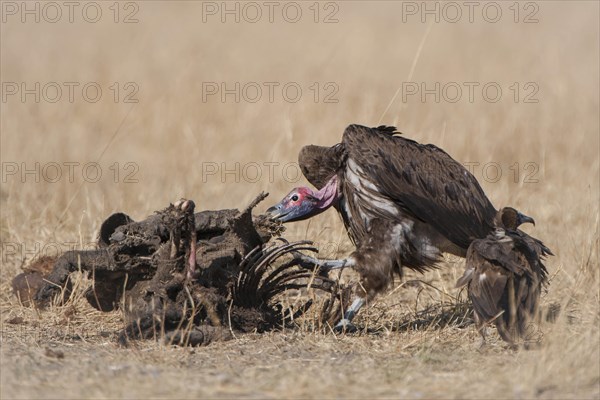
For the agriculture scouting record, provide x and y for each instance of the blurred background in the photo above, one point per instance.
(181, 100)
(132, 105)
(129, 106)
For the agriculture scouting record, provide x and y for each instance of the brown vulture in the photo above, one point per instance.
(403, 204)
(504, 276)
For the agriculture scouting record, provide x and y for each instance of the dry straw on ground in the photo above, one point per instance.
(419, 343)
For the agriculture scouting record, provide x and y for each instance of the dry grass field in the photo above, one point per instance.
(71, 159)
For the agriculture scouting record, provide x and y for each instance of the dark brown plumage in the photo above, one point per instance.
(403, 203)
(504, 276)
(424, 185)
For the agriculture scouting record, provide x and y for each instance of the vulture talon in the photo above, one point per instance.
(345, 326)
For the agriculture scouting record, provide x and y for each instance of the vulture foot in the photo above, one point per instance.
(482, 345)
(345, 326)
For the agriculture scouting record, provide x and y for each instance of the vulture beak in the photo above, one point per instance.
(285, 212)
(276, 212)
(522, 218)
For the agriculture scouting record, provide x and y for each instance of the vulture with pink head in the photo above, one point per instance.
(403, 204)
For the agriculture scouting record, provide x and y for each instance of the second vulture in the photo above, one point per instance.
(505, 276)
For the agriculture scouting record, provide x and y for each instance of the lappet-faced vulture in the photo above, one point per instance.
(403, 204)
(505, 275)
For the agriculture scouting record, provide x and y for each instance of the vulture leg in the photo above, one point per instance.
(345, 324)
(482, 328)
(309, 262)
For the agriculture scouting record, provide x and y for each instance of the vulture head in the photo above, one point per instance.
(320, 163)
(509, 218)
(303, 202)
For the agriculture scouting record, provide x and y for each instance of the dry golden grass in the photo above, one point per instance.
(171, 134)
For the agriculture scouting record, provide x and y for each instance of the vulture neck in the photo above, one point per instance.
(328, 194)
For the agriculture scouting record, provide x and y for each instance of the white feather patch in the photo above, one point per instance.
(367, 191)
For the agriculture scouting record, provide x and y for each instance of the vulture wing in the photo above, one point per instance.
(535, 251)
(487, 283)
(535, 244)
(505, 253)
(424, 181)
